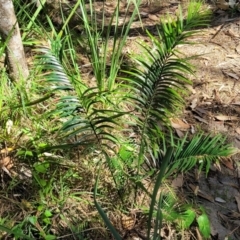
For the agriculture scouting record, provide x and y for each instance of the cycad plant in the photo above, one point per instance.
(99, 120)
(159, 84)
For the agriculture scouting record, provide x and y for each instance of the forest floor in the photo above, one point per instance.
(213, 105)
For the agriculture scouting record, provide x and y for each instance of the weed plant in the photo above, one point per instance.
(93, 143)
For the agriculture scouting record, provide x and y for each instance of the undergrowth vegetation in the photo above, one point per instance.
(89, 156)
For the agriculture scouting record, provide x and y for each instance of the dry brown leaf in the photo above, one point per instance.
(194, 103)
(5, 162)
(179, 133)
(231, 33)
(194, 188)
(218, 126)
(233, 215)
(201, 111)
(217, 96)
(178, 181)
(205, 96)
(205, 196)
(191, 89)
(179, 124)
(192, 129)
(237, 130)
(219, 200)
(199, 236)
(222, 4)
(232, 75)
(226, 118)
(6, 171)
(200, 119)
(228, 163)
(26, 205)
(236, 103)
(153, 17)
(233, 55)
(128, 222)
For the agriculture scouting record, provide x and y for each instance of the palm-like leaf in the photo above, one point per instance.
(158, 85)
(55, 73)
(201, 150)
(84, 118)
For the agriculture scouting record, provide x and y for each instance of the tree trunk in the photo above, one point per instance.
(10, 33)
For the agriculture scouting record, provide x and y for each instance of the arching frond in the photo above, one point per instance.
(85, 120)
(202, 150)
(159, 83)
(55, 73)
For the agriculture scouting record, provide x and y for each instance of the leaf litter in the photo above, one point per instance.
(214, 108)
(214, 105)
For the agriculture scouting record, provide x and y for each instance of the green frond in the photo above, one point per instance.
(197, 16)
(84, 119)
(159, 83)
(200, 151)
(173, 210)
(55, 73)
(176, 211)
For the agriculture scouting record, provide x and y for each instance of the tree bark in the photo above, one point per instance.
(9, 30)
